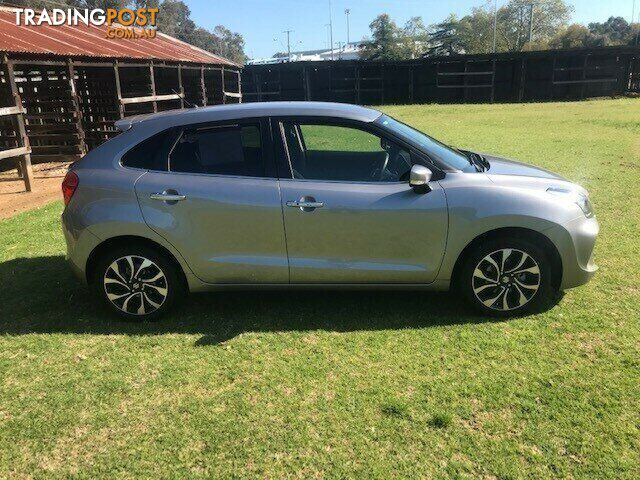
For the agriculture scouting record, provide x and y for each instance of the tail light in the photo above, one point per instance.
(69, 185)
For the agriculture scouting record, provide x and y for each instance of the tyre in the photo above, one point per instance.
(508, 277)
(138, 283)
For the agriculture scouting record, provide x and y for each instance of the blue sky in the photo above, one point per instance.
(262, 21)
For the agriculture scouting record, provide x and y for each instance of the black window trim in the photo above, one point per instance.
(266, 139)
(168, 131)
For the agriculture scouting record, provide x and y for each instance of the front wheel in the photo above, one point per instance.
(137, 283)
(508, 277)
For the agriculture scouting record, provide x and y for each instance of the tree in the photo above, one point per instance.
(540, 18)
(573, 36)
(174, 18)
(229, 44)
(615, 31)
(415, 37)
(386, 41)
(445, 38)
(103, 4)
(476, 31)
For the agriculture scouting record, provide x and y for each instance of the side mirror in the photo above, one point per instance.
(419, 179)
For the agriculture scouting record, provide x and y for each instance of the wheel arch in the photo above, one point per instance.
(518, 233)
(130, 240)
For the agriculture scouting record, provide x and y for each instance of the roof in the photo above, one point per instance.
(236, 111)
(92, 41)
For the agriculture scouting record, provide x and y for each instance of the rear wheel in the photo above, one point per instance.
(137, 282)
(508, 277)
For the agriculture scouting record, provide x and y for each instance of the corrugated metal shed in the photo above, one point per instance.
(92, 41)
(63, 87)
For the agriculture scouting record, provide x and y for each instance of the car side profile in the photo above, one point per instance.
(316, 195)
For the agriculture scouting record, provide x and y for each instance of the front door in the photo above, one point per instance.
(218, 204)
(350, 216)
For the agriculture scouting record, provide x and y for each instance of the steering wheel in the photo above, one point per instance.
(379, 172)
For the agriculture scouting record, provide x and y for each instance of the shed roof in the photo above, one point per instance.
(92, 41)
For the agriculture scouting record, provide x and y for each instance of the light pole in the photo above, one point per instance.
(330, 30)
(347, 12)
(288, 32)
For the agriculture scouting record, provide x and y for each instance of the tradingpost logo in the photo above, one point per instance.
(121, 22)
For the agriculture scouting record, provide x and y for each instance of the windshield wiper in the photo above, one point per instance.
(477, 160)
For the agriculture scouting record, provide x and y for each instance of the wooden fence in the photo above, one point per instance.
(58, 109)
(505, 77)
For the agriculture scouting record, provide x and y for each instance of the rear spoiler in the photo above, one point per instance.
(124, 124)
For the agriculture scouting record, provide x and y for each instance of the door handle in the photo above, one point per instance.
(168, 196)
(305, 204)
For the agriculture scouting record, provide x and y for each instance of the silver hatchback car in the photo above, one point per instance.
(316, 195)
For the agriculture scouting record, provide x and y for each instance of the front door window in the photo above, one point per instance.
(343, 153)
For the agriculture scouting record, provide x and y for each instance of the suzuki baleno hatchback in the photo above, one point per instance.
(316, 195)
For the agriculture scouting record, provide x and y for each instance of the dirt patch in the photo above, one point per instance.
(45, 188)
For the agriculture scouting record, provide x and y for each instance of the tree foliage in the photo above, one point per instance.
(390, 42)
(446, 38)
(519, 26)
(385, 41)
(174, 18)
(541, 19)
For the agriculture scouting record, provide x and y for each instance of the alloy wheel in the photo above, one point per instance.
(135, 285)
(506, 279)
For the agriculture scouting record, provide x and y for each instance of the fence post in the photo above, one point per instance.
(153, 85)
(26, 170)
(203, 88)
(116, 72)
(523, 79)
(180, 87)
(76, 105)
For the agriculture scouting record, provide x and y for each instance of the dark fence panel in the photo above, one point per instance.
(504, 77)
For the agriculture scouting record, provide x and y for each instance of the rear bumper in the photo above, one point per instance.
(575, 241)
(80, 243)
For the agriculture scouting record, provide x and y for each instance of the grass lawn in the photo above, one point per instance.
(341, 384)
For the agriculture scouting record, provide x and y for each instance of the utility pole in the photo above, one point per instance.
(288, 32)
(330, 30)
(495, 24)
(348, 11)
(633, 14)
(530, 22)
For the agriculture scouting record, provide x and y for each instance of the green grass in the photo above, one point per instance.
(341, 384)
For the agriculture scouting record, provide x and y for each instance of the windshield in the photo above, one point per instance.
(432, 147)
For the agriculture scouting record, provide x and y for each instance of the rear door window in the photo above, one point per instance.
(151, 154)
(221, 150)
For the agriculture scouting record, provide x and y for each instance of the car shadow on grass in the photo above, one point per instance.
(40, 295)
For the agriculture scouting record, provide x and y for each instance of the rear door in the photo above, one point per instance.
(350, 215)
(218, 203)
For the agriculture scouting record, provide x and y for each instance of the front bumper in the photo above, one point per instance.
(575, 241)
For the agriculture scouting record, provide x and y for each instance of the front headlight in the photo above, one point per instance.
(578, 198)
